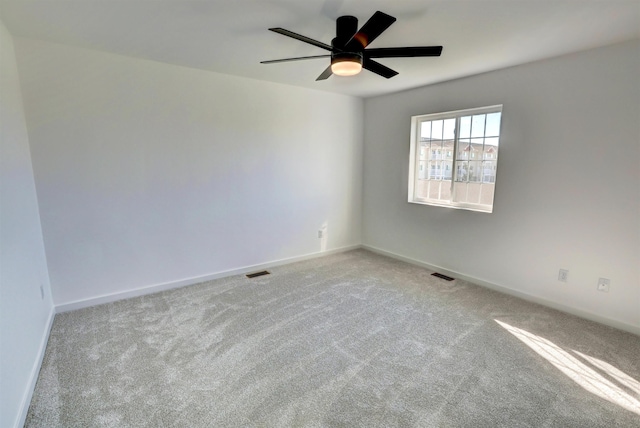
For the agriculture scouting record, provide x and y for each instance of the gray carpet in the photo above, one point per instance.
(348, 340)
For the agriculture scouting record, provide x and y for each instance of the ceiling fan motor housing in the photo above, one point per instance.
(346, 56)
(345, 62)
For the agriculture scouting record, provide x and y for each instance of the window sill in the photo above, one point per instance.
(469, 207)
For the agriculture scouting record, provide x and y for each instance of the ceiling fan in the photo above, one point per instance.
(348, 49)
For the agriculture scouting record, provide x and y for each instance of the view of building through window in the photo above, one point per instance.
(454, 158)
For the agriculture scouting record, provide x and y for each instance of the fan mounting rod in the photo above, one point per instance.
(346, 27)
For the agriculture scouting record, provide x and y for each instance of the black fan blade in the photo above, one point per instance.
(378, 68)
(300, 58)
(325, 74)
(370, 30)
(403, 52)
(301, 38)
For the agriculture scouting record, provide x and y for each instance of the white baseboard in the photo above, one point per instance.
(108, 298)
(510, 291)
(98, 300)
(35, 371)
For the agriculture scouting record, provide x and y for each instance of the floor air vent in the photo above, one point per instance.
(261, 273)
(445, 277)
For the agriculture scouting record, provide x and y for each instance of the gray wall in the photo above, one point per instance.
(25, 317)
(151, 174)
(567, 190)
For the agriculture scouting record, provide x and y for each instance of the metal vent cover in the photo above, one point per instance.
(261, 273)
(445, 277)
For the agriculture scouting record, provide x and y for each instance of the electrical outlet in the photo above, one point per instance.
(41, 292)
(563, 275)
(320, 233)
(603, 284)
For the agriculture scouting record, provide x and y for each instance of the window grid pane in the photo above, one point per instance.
(470, 161)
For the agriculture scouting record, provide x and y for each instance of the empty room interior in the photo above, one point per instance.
(229, 213)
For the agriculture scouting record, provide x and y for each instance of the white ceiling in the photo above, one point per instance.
(231, 37)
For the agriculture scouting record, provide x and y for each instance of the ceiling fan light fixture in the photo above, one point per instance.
(350, 46)
(346, 63)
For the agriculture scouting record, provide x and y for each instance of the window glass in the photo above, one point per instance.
(477, 125)
(457, 158)
(465, 127)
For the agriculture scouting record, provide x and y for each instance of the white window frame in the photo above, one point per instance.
(414, 157)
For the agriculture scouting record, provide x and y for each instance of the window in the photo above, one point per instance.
(454, 158)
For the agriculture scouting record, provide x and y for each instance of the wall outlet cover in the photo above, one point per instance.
(603, 284)
(563, 275)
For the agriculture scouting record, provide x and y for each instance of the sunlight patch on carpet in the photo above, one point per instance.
(594, 375)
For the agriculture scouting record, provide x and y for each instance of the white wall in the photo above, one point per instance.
(149, 173)
(567, 190)
(25, 317)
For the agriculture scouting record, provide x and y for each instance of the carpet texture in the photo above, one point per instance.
(349, 340)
